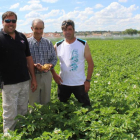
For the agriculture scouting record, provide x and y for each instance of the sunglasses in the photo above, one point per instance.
(68, 23)
(10, 20)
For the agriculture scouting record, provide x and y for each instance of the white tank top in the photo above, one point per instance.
(72, 62)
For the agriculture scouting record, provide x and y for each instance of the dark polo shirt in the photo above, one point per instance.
(13, 53)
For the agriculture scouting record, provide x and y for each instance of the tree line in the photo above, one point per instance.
(131, 31)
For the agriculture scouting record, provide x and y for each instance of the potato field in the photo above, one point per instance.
(114, 95)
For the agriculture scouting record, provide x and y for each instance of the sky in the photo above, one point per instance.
(88, 15)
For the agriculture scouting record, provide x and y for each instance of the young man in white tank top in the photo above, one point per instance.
(72, 53)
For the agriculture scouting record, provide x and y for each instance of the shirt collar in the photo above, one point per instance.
(6, 33)
(35, 41)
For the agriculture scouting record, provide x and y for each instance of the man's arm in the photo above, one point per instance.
(53, 59)
(30, 64)
(89, 60)
(56, 77)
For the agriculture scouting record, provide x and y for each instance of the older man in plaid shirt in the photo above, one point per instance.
(43, 52)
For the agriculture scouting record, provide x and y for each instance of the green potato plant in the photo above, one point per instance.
(114, 95)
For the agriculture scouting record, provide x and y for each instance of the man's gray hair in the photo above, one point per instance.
(37, 20)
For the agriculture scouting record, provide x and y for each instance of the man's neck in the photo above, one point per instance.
(70, 41)
(38, 38)
(11, 34)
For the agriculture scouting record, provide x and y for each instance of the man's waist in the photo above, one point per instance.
(40, 72)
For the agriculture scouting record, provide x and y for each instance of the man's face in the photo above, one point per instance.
(37, 29)
(68, 32)
(10, 27)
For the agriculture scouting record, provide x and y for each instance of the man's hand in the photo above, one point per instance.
(38, 66)
(57, 79)
(87, 86)
(31, 65)
(33, 85)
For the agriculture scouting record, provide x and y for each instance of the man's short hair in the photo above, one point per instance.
(8, 13)
(37, 20)
(66, 23)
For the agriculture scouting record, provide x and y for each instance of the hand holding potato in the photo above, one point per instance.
(38, 66)
(46, 67)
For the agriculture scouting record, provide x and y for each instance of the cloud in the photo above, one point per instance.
(33, 15)
(34, 1)
(76, 8)
(116, 10)
(63, 16)
(122, 0)
(137, 16)
(97, 6)
(81, 15)
(109, 18)
(71, 15)
(52, 13)
(133, 7)
(80, 2)
(14, 6)
(50, 1)
(20, 21)
(114, 17)
(34, 7)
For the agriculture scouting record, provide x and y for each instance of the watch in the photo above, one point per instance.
(88, 80)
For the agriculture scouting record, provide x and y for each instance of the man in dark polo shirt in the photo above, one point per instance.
(14, 59)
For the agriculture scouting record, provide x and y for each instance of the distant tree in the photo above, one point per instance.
(130, 31)
(138, 32)
(85, 34)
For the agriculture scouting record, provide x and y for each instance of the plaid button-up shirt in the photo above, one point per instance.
(42, 52)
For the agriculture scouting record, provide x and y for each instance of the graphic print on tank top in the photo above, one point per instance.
(74, 60)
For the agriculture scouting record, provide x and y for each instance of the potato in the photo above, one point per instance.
(45, 66)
